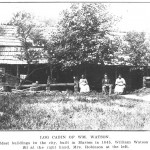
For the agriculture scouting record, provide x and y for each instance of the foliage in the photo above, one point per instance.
(30, 35)
(27, 28)
(136, 48)
(84, 35)
(29, 32)
(50, 52)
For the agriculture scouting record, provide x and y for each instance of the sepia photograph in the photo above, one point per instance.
(80, 66)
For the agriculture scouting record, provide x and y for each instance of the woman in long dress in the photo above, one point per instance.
(120, 85)
(83, 84)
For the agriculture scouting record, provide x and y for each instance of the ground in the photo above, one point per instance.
(72, 111)
(141, 94)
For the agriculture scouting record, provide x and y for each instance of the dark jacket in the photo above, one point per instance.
(104, 82)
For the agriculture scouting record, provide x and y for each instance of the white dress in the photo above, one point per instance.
(83, 84)
(120, 85)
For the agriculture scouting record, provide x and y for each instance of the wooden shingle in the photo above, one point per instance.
(10, 46)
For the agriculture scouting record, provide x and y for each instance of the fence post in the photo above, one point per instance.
(144, 82)
(48, 84)
(76, 84)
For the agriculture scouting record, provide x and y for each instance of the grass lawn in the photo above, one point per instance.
(69, 111)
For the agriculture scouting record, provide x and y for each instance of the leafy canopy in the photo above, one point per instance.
(29, 34)
(137, 48)
(83, 35)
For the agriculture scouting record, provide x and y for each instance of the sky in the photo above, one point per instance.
(134, 16)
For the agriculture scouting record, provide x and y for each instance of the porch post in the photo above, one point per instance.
(116, 71)
(144, 82)
(48, 84)
(76, 84)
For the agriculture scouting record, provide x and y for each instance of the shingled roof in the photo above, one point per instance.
(10, 46)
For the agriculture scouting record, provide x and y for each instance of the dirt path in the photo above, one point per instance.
(134, 96)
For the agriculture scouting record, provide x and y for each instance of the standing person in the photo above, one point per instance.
(120, 85)
(106, 83)
(83, 84)
(3, 77)
(76, 84)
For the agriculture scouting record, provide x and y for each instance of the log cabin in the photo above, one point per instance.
(12, 67)
(10, 47)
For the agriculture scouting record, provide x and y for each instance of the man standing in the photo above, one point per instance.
(106, 84)
(3, 79)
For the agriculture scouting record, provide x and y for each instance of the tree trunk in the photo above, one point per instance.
(51, 72)
(18, 75)
(147, 71)
(85, 67)
(28, 70)
(116, 72)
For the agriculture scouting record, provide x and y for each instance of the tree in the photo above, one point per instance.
(50, 45)
(136, 48)
(30, 36)
(83, 34)
(50, 52)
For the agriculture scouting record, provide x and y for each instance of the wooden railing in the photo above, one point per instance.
(48, 86)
